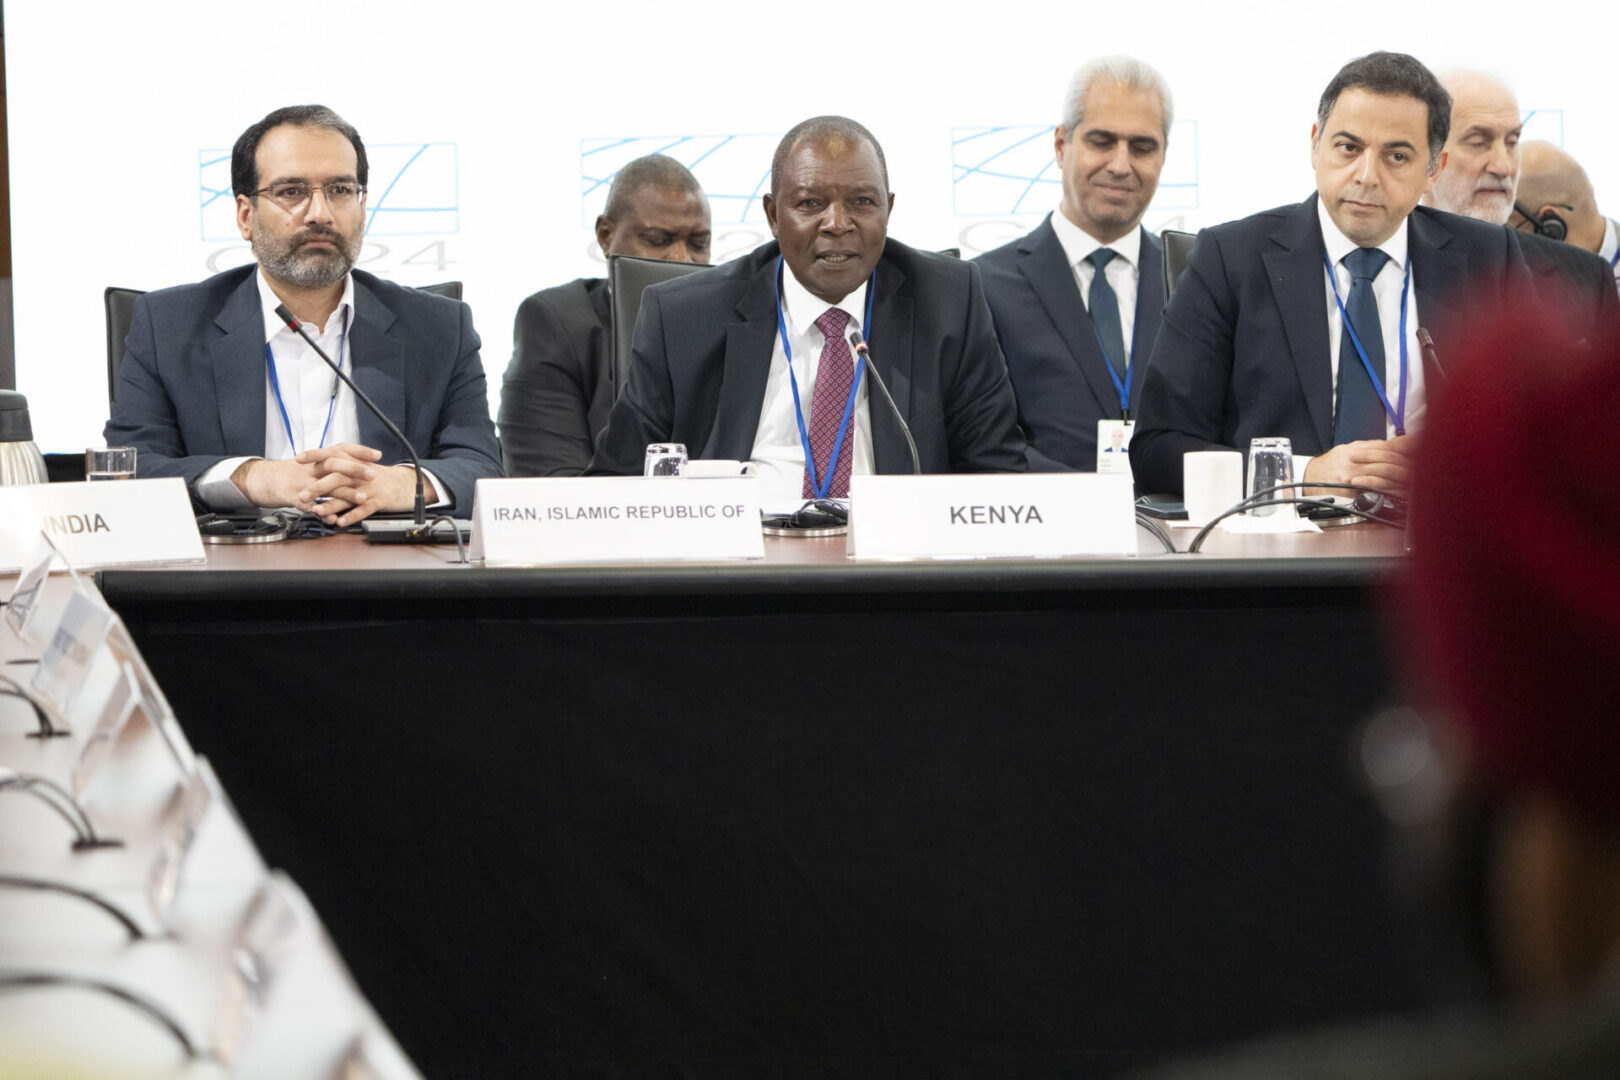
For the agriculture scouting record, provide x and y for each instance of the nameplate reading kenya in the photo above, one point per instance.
(615, 519)
(991, 515)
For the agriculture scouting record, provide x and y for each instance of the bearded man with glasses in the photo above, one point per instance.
(215, 388)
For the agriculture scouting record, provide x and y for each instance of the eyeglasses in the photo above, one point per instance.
(292, 196)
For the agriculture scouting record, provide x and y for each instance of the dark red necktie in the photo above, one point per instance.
(833, 378)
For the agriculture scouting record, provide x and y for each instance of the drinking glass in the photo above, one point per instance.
(664, 459)
(111, 463)
(1271, 462)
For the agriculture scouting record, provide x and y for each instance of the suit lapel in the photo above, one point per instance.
(1046, 269)
(378, 367)
(1149, 310)
(239, 373)
(1439, 269)
(1293, 264)
(891, 335)
(749, 346)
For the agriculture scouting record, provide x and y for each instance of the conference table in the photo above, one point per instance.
(811, 815)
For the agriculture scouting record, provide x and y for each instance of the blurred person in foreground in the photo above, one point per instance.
(1511, 633)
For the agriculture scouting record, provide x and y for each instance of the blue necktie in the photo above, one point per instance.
(1104, 307)
(1358, 413)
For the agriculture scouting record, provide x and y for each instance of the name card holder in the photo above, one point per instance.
(615, 519)
(1028, 515)
(123, 523)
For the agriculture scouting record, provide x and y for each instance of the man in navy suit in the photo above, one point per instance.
(1305, 321)
(750, 360)
(1063, 324)
(214, 387)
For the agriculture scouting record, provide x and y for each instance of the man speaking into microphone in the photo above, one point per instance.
(217, 389)
(753, 361)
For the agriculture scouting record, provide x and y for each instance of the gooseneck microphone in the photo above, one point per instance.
(858, 343)
(420, 531)
(1426, 344)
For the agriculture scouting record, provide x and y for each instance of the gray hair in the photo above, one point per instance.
(1125, 70)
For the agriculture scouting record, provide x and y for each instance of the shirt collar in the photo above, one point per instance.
(269, 301)
(1077, 243)
(797, 298)
(1611, 239)
(1339, 245)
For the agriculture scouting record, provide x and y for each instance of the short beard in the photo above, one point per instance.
(311, 270)
(1490, 212)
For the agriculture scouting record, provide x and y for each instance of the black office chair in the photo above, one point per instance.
(120, 305)
(628, 276)
(1177, 249)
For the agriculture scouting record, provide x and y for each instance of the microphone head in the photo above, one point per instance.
(857, 342)
(287, 317)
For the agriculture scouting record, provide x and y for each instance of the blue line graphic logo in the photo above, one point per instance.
(1009, 170)
(1544, 124)
(414, 190)
(735, 170)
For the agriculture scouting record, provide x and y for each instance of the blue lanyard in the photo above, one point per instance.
(1123, 388)
(1615, 261)
(275, 385)
(819, 486)
(1397, 415)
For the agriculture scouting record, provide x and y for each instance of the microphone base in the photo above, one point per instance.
(396, 531)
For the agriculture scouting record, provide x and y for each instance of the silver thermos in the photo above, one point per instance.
(20, 460)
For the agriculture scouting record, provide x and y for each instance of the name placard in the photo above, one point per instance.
(991, 515)
(112, 523)
(615, 519)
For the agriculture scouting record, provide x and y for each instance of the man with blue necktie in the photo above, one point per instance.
(1311, 321)
(1077, 301)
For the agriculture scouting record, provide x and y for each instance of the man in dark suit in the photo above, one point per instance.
(558, 389)
(751, 360)
(1063, 324)
(1481, 180)
(1556, 200)
(215, 389)
(1248, 347)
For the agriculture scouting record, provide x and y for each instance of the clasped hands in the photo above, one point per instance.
(346, 476)
(1382, 464)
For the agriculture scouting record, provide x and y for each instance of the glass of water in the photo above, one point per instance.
(112, 463)
(1271, 462)
(664, 459)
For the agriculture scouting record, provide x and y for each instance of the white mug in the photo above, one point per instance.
(1211, 482)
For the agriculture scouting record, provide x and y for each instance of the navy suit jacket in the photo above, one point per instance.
(191, 389)
(1058, 371)
(1577, 279)
(558, 388)
(1243, 349)
(702, 351)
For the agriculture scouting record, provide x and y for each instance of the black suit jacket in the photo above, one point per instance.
(558, 388)
(1058, 372)
(1580, 280)
(702, 352)
(191, 390)
(1243, 349)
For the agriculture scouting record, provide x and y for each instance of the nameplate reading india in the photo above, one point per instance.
(991, 516)
(615, 519)
(126, 523)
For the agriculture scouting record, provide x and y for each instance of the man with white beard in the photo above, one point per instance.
(1480, 179)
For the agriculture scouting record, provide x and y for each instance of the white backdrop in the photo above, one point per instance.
(493, 127)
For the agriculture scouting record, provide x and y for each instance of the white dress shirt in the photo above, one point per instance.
(1387, 289)
(309, 392)
(1121, 271)
(778, 455)
(1610, 248)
